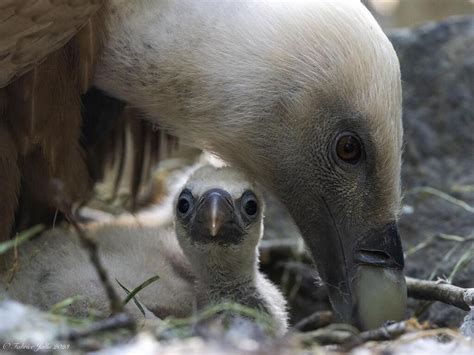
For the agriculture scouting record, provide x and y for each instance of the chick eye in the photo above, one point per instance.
(185, 202)
(249, 204)
(348, 148)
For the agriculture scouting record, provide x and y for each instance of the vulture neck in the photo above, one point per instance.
(189, 66)
(224, 276)
(217, 266)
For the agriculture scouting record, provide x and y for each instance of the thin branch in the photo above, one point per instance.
(443, 292)
(443, 195)
(462, 262)
(455, 238)
(443, 261)
(385, 332)
(465, 260)
(64, 204)
(116, 305)
(440, 236)
(118, 321)
(20, 238)
(462, 188)
(347, 337)
(316, 320)
(328, 335)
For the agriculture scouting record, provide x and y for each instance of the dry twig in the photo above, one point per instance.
(118, 321)
(386, 332)
(65, 206)
(116, 304)
(332, 334)
(348, 337)
(429, 290)
(316, 320)
(443, 195)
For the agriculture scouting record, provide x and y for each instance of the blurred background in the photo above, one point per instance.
(403, 13)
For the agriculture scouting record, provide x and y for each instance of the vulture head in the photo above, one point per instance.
(219, 219)
(302, 96)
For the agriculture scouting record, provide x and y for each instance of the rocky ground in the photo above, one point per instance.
(437, 228)
(438, 80)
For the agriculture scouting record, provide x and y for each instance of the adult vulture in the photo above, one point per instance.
(303, 96)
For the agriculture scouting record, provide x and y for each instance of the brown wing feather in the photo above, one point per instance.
(9, 176)
(41, 111)
(32, 29)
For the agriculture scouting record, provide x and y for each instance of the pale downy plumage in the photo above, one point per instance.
(210, 257)
(304, 96)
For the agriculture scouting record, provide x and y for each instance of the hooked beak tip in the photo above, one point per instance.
(214, 229)
(215, 211)
(215, 225)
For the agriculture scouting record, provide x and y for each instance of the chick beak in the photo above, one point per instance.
(215, 210)
(215, 218)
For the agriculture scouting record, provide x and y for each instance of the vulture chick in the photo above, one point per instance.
(305, 98)
(210, 258)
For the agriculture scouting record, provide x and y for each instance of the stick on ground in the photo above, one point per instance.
(64, 204)
(118, 321)
(385, 332)
(116, 304)
(435, 291)
(316, 320)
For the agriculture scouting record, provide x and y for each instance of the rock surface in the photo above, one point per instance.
(467, 328)
(23, 329)
(437, 65)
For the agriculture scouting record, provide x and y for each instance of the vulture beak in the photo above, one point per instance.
(214, 210)
(216, 215)
(379, 283)
(364, 274)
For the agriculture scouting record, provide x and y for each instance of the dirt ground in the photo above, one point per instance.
(438, 84)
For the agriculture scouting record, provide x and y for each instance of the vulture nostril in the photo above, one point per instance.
(373, 257)
(381, 247)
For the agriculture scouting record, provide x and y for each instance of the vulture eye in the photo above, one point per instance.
(185, 202)
(348, 148)
(249, 204)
